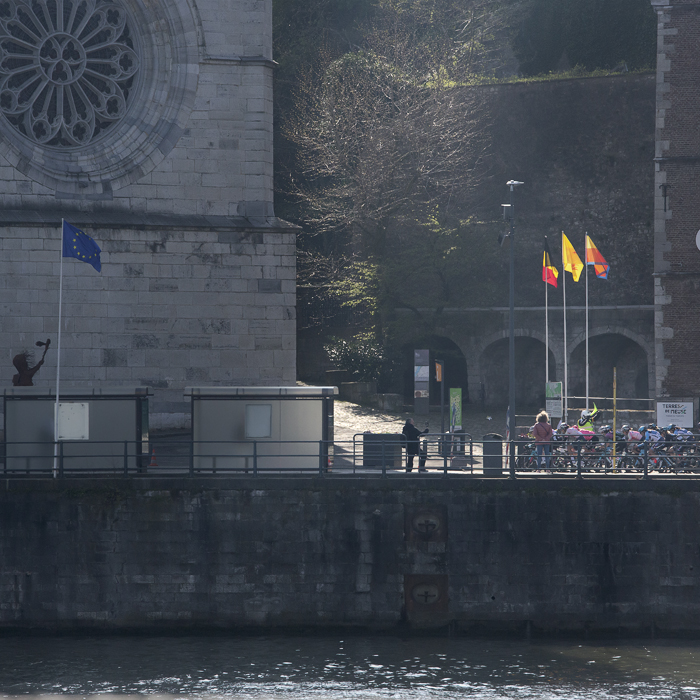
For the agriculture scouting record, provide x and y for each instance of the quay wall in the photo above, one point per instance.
(471, 556)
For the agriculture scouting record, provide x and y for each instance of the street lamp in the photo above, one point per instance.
(511, 337)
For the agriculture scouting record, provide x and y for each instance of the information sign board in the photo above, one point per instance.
(553, 399)
(73, 421)
(678, 412)
(456, 409)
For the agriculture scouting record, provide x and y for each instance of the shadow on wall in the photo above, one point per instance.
(606, 352)
(529, 372)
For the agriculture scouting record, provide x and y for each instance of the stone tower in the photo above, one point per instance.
(677, 200)
(148, 124)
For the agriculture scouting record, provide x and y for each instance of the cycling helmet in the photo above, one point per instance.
(625, 428)
(606, 429)
(642, 428)
(671, 427)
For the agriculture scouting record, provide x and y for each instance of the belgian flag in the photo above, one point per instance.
(549, 272)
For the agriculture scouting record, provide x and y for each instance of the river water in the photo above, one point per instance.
(347, 668)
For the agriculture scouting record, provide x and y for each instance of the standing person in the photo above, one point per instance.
(543, 436)
(412, 446)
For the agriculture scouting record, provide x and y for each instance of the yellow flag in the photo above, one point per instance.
(570, 260)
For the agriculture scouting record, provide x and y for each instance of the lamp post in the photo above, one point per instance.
(511, 329)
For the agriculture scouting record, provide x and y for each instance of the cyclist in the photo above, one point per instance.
(651, 438)
(682, 434)
(631, 435)
(652, 434)
(607, 432)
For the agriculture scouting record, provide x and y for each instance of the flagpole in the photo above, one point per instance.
(585, 250)
(58, 359)
(566, 362)
(546, 331)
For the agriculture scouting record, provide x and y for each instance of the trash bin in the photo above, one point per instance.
(381, 449)
(445, 445)
(493, 454)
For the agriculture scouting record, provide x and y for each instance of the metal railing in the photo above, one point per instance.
(366, 455)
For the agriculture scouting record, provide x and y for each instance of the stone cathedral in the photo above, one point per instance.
(148, 124)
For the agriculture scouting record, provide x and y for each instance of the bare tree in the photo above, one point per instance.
(392, 140)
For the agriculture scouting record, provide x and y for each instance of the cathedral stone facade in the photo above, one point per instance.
(677, 200)
(148, 124)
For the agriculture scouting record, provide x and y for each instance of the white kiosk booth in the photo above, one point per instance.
(256, 429)
(99, 429)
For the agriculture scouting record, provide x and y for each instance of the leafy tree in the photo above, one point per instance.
(362, 357)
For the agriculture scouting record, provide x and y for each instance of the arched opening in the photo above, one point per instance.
(444, 349)
(529, 373)
(605, 352)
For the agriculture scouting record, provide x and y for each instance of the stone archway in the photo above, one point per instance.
(606, 351)
(529, 372)
(441, 348)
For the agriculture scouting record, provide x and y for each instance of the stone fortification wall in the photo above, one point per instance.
(584, 149)
(238, 553)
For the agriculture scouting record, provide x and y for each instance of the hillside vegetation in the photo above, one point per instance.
(384, 147)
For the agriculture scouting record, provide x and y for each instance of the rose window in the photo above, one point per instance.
(67, 68)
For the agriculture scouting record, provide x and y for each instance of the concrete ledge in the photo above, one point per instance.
(118, 218)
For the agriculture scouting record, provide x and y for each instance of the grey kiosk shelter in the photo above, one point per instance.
(251, 429)
(99, 429)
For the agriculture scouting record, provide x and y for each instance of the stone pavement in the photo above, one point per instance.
(351, 419)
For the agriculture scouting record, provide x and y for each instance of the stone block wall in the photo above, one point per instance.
(677, 199)
(172, 307)
(475, 555)
(198, 276)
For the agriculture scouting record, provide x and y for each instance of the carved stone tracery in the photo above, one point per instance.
(67, 68)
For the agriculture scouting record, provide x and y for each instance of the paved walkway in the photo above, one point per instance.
(351, 418)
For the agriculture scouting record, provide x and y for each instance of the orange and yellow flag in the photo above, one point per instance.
(569, 258)
(593, 257)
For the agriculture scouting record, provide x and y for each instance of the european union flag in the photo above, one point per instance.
(77, 244)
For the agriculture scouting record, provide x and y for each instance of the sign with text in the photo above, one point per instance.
(678, 412)
(456, 409)
(553, 402)
(421, 381)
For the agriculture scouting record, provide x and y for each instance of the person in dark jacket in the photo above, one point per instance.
(412, 446)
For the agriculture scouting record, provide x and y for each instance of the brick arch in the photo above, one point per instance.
(613, 330)
(450, 359)
(520, 333)
(530, 366)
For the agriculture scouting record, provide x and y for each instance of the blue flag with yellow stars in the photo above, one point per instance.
(77, 244)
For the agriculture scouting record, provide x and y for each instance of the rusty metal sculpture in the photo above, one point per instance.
(25, 373)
